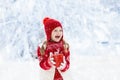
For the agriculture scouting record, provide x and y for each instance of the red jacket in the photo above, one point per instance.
(53, 47)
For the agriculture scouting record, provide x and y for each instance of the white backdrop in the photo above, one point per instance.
(91, 27)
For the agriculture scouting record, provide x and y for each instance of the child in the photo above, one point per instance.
(54, 53)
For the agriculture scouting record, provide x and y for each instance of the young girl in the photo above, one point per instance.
(54, 53)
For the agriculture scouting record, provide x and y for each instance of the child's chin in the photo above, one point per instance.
(57, 40)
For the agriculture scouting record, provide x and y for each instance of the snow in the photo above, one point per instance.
(19, 71)
(98, 68)
(91, 27)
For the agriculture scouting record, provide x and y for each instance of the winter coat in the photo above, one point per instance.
(53, 47)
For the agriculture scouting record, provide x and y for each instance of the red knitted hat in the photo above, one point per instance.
(49, 25)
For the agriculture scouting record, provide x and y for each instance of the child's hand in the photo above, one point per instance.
(63, 64)
(52, 59)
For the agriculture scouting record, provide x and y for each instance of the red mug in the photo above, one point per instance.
(58, 58)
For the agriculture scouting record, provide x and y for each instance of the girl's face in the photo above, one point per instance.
(57, 34)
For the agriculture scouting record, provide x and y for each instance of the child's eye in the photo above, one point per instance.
(60, 30)
(55, 30)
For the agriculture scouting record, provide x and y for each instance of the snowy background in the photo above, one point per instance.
(91, 27)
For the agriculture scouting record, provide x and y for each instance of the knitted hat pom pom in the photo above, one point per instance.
(45, 19)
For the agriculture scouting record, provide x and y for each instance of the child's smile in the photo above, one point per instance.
(57, 37)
